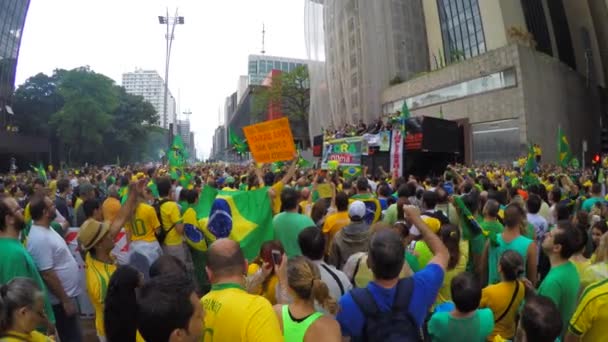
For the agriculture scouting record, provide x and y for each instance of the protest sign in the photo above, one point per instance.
(270, 141)
(346, 151)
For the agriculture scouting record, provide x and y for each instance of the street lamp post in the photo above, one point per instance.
(168, 21)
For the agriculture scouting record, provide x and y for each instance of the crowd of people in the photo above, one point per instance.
(473, 254)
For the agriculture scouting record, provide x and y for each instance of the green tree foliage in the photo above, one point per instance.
(85, 112)
(290, 91)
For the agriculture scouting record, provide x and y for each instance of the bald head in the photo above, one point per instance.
(225, 258)
(113, 192)
(305, 192)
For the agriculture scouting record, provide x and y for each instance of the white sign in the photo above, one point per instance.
(396, 153)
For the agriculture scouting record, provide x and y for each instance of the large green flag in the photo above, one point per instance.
(40, 171)
(563, 149)
(405, 114)
(239, 145)
(530, 161)
(243, 216)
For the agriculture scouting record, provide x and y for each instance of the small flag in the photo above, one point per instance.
(563, 149)
(405, 114)
(239, 144)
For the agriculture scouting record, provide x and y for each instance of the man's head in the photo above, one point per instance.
(163, 184)
(312, 243)
(289, 199)
(113, 192)
(225, 259)
(540, 321)
(39, 186)
(92, 209)
(342, 201)
(385, 257)
(466, 292)
(63, 186)
(513, 216)
(11, 215)
(429, 200)
(169, 310)
(86, 191)
(533, 204)
(491, 209)
(362, 185)
(304, 193)
(356, 211)
(94, 236)
(596, 189)
(42, 209)
(562, 241)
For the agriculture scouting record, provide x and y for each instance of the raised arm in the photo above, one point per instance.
(440, 252)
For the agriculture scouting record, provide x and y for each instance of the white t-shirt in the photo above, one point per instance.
(541, 227)
(326, 276)
(50, 252)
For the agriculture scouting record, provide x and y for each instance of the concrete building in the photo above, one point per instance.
(358, 48)
(151, 86)
(513, 73)
(260, 65)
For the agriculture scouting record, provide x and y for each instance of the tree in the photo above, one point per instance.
(290, 92)
(34, 102)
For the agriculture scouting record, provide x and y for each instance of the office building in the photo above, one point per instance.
(260, 65)
(357, 48)
(512, 73)
(151, 86)
(12, 21)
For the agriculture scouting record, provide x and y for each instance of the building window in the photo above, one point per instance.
(461, 29)
(562, 32)
(537, 24)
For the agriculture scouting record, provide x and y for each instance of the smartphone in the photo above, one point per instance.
(276, 257)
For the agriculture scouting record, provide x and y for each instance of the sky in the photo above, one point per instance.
(208, 54)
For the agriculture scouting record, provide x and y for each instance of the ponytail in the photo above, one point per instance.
(450, 235)
(320, 292)
(120, 305)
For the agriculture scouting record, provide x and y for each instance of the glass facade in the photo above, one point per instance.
(495, 81)
(261, 66)
(461, 28)
(12, 19)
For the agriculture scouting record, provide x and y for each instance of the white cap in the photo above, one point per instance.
(357, 208)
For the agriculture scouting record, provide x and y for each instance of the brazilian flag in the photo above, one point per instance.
(373, 209)
(350, 172)
(243, 216)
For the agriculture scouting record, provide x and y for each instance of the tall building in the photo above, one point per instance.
(359, 47)
(151, 86)
(512, 73)
(183, 129)
(260, 65)
(12, 20)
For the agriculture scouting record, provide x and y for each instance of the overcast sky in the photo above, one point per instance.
(209, 52)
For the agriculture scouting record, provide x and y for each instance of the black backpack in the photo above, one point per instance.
(161, 234)
(396, 325)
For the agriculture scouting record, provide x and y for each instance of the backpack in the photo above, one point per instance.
(161, 234)
(396, 325)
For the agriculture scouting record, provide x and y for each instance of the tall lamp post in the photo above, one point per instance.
(168, 22)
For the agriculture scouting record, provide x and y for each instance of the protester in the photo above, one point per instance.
(336, 221)
(299, 320)
(597, 230)
(57, 267)
(232, 314)
(505, 298)
(21, 311)
(599, 269)
(111, 205)
(413, 296)
(351, 239)
(450, 236)
(268, 287)
(538, 222)
(590, 320)
(289, 223)
(120, 311)
(312, 243)
(168, 309)
(539, 322)
(596, 196)
(63, 198)
(465, 323)
(15, 261)
(86, 192)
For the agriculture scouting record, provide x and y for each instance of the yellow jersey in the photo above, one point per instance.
(590, 320)
(333, 224)
(170, 216)
(52, 188)
(34, 336)
(232, 314)
(276, 203)
(143, 224)
(268, 289)
(98, 275)
(497, 298)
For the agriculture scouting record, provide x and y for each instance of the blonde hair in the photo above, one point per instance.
(601, 253)
(304, 278)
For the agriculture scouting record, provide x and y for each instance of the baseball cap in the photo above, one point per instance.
(357, 209)
(91, 232)
(229, 180)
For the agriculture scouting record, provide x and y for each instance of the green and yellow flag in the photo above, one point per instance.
(40, 171)
(564, 153)
(240, 146)
(243, 216)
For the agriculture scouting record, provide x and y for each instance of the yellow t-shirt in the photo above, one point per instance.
(110, 209)
(232, 314)
(590, 320)
(77, 204)
(26, 213)
(170, 216)
(276, 203)
(497, 298)
(34, 336)
(445, 293)
(98, 275)
(334, 223)
(52, 188)
(581, 266)
(144, 223)
(269, 288)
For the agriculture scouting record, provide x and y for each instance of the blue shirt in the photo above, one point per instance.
(427, 283)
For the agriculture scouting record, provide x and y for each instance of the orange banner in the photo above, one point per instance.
(270, 141)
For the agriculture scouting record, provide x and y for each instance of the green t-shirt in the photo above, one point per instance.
(390, 214)
(15, 261)
(561, 285)
(590, 202)
(520, 245)
(287, 227)
(476, 328)
(362, 196)
(412, 261)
